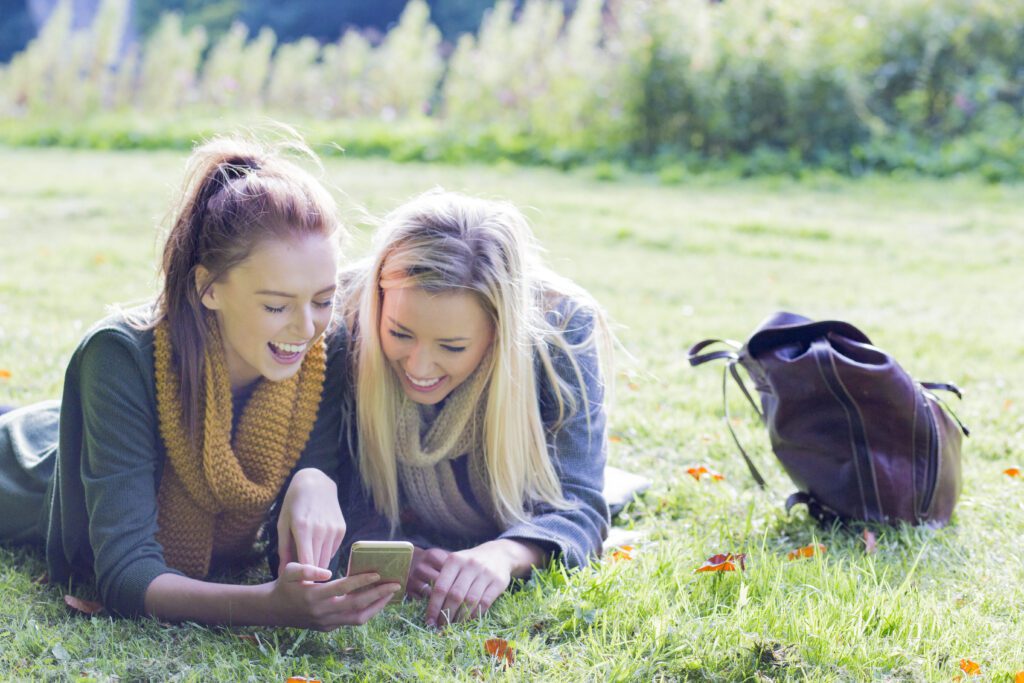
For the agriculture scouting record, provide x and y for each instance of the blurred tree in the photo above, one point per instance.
(455, 17)
(215, 16)
(16, 27)
(324, 20)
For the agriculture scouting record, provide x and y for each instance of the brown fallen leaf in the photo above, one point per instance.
(699, 472)
(970, 668)
(248, 637)
(1012, 472)
(725, 562)
(501, 650)
(870, 542)
(806, 551)
(84, 606)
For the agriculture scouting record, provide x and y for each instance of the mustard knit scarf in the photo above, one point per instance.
(213, 501)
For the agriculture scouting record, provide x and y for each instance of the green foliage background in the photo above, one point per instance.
(762, 86)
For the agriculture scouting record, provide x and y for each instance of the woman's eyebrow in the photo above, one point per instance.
(274, 292)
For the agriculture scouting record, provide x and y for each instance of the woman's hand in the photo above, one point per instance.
(310, 528)
(426, 567)
(469, 581)
(298, 601)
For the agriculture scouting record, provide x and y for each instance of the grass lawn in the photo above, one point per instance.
(929, 269)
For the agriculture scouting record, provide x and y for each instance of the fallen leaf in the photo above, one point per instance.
(1007, 404)
(247, 636)
(1019, 678)
(302, 679)
(1012, 472)
(970, 668)
(622, 553)
(698, 472)
(5, 374)
(806, 551)
(724, 563)
(83, 606)
(99, 259)
(42, 579)
(615, 438)
(501, 650)
(870, 542)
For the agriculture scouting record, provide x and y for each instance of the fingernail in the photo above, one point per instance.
(431, 623)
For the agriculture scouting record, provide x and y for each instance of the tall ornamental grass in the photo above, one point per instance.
(935, 86)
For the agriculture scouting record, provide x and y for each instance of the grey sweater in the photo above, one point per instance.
(88, 488)
(578, 449)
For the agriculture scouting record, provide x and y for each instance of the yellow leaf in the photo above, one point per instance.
(5, 374)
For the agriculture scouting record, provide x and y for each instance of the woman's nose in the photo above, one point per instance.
(304, 323)
(419, 362)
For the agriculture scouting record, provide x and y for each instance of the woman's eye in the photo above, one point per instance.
(453, 349)
(398, 335)
(271, 309)
(323, 304)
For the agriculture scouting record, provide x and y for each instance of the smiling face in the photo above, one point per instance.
(273, 306)
(433, 342)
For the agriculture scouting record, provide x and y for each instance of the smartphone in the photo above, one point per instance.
(390, 559)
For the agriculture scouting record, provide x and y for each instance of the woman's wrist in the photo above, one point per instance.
(521, 556)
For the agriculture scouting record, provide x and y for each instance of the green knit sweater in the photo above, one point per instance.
(99, 512)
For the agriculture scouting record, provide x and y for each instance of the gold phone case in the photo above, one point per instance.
(390, 559)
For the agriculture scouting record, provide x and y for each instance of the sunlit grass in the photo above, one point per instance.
(928, 269)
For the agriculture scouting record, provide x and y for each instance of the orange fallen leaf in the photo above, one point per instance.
(623, 553)
(1012, 472)
(870, 542)
(5, 374)
(724, 563)
(1019, 678)
(302, 679)
(501, 650)
(83, 606)
(806, 551)
(970, 668)
(698, 472)
(615, 438)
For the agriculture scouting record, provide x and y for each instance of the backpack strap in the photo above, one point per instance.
(953, 389)
(825, 515)
(697, 358)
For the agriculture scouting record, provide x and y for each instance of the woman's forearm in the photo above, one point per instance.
(172, 597)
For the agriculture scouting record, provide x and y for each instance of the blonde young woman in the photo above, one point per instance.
(479, 400)
(182, 423)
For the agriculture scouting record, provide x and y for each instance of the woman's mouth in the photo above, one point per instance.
(424, 385)
(286, 354)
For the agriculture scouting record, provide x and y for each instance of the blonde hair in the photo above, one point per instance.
(443, 242)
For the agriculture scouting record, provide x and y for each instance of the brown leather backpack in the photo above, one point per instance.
(860, 438)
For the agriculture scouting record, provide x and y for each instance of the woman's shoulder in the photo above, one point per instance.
(574, 318)
(123, 331)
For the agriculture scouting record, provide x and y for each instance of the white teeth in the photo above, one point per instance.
(423, 383)
(289, 348)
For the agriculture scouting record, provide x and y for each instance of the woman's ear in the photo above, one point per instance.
(205, 289)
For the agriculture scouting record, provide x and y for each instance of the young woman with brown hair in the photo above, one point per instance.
(182, 422)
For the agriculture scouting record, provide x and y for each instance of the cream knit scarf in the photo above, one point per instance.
(425, 460)
(213, 501)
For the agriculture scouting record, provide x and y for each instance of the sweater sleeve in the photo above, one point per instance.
(578, 449)
(118, 471)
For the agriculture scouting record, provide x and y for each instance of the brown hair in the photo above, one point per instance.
(237, 193)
